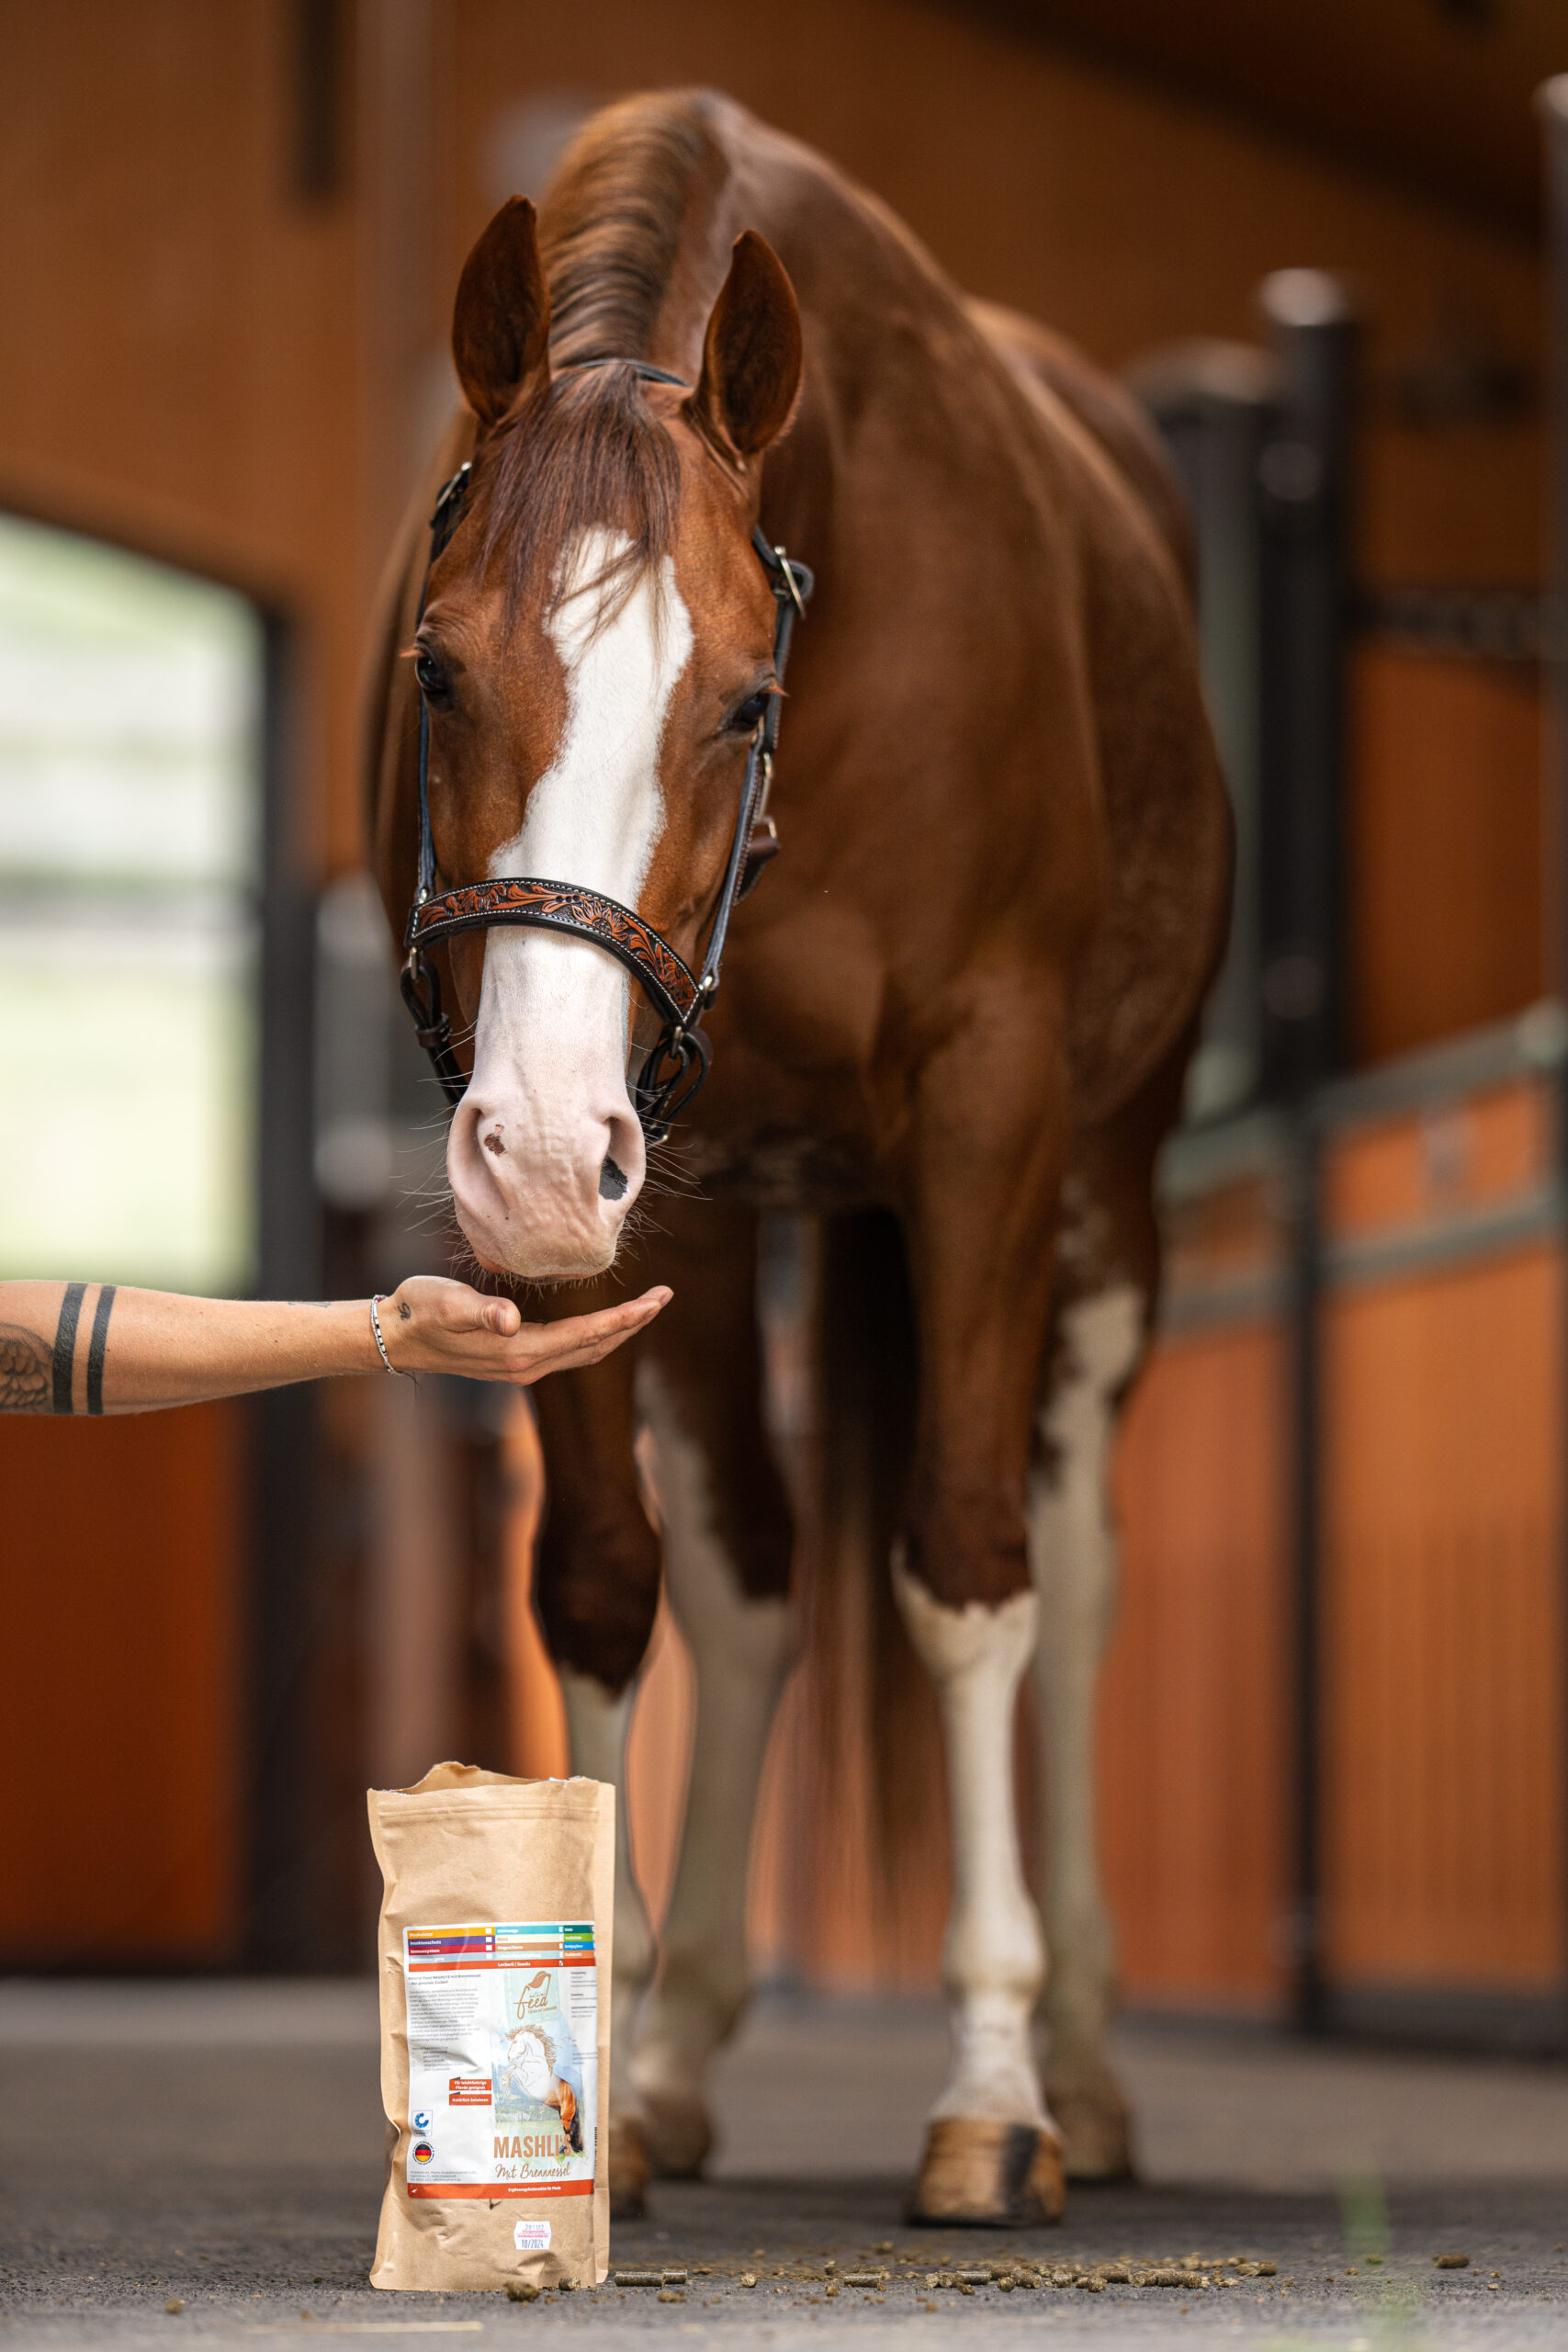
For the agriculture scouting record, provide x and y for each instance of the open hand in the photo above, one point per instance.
(433, 1324)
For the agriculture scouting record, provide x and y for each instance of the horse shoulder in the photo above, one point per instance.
(1161, 923)
(1047, 361)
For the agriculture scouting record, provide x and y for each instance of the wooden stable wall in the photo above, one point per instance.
(1194, 1756)
(1448, 870)
(1442, 1634)
(1440, 1773)
(125, 1750)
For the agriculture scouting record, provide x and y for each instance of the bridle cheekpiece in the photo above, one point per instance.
(676, 1064)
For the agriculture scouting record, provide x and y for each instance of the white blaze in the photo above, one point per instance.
(548, 1101)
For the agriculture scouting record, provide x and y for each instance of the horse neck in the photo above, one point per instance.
(860, 279)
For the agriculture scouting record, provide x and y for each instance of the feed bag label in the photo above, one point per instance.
(503, 2059)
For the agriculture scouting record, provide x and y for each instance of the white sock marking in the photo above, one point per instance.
(596, 1725)
(1072, 1554)
(993, 1956)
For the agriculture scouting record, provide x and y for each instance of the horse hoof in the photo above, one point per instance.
(993, 2176)
(1096, 2134)
(629, 2169)
(679, 2135)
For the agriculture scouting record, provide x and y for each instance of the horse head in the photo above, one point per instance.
(595, 657)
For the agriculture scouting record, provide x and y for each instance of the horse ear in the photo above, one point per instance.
(501, 324)
(751, 353)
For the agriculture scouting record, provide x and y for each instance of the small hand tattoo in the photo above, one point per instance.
(27, 1381)
(404, 1312)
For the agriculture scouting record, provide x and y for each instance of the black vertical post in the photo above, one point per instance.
(282, 1421)
(1307, 609)
(1551, 100)
(1302, 1205)
(1304, 486)
(1213, 403)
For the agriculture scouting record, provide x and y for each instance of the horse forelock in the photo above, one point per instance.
(625, 229)
(586, 454)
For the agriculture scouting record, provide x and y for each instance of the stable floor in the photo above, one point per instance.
(219, 2146)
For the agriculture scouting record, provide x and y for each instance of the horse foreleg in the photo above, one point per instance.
(991, 2152)
(980, 1228)
(1072, 1547)
(596, 1589)
(726, 1565)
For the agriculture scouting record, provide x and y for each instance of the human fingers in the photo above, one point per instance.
(578, 1340)
(432, 1324)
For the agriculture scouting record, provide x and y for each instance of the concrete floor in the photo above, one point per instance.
(219, 2145)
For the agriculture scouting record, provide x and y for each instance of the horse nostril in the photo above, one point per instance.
(611, 1181)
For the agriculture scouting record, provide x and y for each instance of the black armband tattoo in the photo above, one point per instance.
(96, 1349)
(65, 1343)
(25, 1381)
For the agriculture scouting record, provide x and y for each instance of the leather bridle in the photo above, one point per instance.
(676, 1064)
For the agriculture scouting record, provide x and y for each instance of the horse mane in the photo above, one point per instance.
(612, 228)
(588, 451)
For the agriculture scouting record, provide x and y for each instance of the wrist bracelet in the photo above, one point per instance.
(380, 1342)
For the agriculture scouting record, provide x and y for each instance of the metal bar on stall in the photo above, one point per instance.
(283, 1590)
(1308, 616)
(1551, 101)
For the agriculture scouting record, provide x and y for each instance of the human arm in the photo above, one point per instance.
(91, 1348)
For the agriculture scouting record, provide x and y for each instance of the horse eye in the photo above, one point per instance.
(432, 677)
(750, 714)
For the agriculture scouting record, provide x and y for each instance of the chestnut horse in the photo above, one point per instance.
(964, 997)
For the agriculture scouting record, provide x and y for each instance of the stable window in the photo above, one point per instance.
(132, 701)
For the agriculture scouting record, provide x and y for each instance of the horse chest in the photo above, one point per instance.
(779, 1169)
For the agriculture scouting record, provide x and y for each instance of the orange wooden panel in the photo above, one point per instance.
(1194, 1716)
(1463, 1155)
(1446, 859)
(1227, 1234)
(1442, 1635)
(123, 1789)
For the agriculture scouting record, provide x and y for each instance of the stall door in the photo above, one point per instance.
(130, 710)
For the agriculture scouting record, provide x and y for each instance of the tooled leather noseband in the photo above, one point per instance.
(675, 1066)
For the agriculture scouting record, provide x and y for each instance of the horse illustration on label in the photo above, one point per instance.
(537, 2082)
